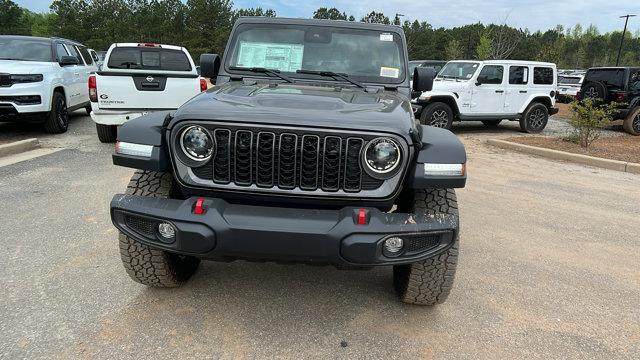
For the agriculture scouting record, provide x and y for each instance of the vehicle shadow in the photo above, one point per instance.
(476, 127)
(14, 131)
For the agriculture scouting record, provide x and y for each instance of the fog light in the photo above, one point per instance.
(393, 245)
(166, 231)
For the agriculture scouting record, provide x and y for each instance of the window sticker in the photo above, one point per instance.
(386, 37)
(283, 57)
(389, 72)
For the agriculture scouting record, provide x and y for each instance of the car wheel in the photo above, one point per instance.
(595, 90)
(437, 115)
(491, 123)
(145, 264)
(57, 120)
(631, 123)
(429, 282)
(107, 133)
(534, 119)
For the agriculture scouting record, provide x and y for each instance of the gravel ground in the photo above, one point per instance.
(548, 269)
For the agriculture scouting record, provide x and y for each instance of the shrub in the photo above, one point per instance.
(587, 119)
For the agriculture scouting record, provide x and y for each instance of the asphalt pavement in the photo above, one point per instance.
(549, 268)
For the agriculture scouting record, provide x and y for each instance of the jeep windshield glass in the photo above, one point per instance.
(25, 49)
(148, 58)
(304, 51)
(458, 70)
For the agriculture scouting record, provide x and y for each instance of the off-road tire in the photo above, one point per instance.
(535, 118)
(491, 123)
(107, 133)
(631, 123)
(429, 282)
(437, 114)
(147, 265)
(57, 120)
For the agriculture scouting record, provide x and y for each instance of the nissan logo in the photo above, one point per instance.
(150, 78)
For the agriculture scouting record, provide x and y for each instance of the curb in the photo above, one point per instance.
(17, 147)
(623, 166)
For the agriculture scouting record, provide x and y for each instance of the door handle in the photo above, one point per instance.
(76, 74)
(523, 91)
(499, 91)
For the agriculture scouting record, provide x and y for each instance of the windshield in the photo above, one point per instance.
(458, 70)
(569, 80)
(148, 58)
(25, 49)
(364, 55)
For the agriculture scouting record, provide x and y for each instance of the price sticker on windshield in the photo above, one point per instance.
(389, 72)
(386, 37)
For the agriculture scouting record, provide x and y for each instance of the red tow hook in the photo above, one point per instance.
(199, 209)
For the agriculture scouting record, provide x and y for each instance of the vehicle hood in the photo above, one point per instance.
(449, 85)
(25, 67)
(302, 105)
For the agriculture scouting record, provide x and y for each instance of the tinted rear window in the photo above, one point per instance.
(569, 80)
(543, 75)
(613, 78)
(149, 59)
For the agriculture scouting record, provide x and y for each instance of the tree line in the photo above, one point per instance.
(204, 25)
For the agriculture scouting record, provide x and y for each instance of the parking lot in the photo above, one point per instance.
(548, 269)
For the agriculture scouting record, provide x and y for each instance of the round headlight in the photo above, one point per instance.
(197, 143)
(382, 155)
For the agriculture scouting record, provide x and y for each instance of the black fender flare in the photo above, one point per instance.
(145, 130)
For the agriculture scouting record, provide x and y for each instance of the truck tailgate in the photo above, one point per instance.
(145, 91)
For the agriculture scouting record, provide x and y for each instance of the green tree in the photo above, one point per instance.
(454, 50)
(256, 12)
(483, 50)
(376, 17)
(329, 14)
(13, 19)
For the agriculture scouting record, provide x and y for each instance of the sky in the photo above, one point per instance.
(534, 15)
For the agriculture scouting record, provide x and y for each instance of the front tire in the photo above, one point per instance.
(535, 119)
(57, 121)
(428, 282)
(107, 133)
(631, 123)
(437, 114)
(145, 264)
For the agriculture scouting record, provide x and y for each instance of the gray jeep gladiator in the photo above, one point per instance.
(305, 151)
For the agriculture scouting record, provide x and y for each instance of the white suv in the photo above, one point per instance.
(42, 80)
(139, 78)
(491, 91)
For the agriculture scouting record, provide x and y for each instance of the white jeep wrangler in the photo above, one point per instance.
(491, 91)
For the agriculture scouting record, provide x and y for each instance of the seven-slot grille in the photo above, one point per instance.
(287, 160)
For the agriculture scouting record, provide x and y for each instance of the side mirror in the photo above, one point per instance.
(482, 79)
(423, 78)
(68, 61)
(209, 65)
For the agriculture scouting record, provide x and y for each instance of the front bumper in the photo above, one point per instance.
(15, 96)
(230, 231)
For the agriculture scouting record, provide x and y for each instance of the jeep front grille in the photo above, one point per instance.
(287, 160)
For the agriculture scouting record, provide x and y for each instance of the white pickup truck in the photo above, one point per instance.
(136, 79)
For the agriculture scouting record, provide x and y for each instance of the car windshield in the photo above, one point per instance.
(458, 70)
(25, 49)
(569, 80)
(362, 55)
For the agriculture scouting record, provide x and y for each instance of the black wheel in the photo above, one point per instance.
(147, 265)
(428, 282)
(107, 133)
(534, 119)
(631, 123)
(88, 109)
(57, 120)
(595, 90)
(437, 114)
(491, 123)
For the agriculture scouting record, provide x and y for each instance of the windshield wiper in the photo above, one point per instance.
(332, 74)
(273, 72)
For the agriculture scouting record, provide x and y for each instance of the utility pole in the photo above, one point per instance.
(396, 21)
(622, 38)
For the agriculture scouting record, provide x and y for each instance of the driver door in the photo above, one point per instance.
(488, 94)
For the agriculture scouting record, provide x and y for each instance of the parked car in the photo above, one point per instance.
(96, 58)
(435, 64)
(136, 79)
(568, 86)
(305, 151)
(491, 91)
(619, 85)
(42, 80)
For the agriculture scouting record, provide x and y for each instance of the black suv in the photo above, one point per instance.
(306, 151)
(619, 85)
